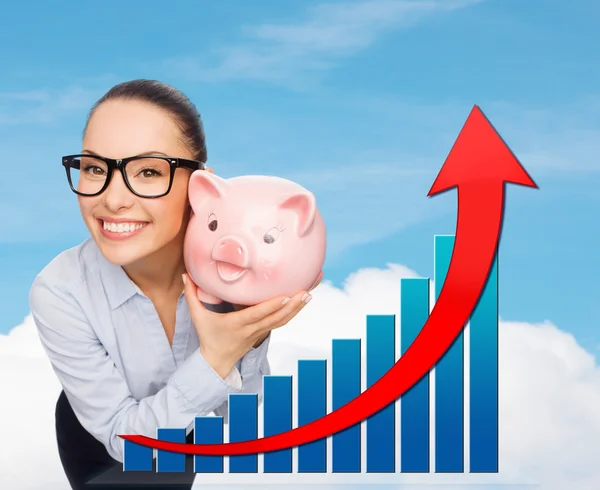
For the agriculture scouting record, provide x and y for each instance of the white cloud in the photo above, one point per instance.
(365, 204)
(50, 105)
(29, 393)
(555, 139)
(282, 53)
(43, 106)
(549, 395)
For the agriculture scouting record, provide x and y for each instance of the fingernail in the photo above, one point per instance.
(307, 300)
(285, 301)
(304, 296)
(183, 277)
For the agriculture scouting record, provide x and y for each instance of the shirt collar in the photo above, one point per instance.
(119, 288)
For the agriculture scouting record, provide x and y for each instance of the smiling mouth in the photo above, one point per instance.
(229, 272)
(122, 227)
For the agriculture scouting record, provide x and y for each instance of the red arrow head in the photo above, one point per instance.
(479, 155)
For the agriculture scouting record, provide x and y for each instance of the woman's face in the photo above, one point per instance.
(120, 129)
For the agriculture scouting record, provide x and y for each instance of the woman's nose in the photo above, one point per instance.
(117, 195)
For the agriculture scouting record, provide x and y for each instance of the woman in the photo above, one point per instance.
(131, 350)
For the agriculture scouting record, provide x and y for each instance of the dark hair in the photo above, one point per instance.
(171, 100)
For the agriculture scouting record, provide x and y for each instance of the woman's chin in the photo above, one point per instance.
(119, 258)
(121, 254)
(125, 249)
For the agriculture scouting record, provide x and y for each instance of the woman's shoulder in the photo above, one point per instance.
(59, 295)
(69, 268)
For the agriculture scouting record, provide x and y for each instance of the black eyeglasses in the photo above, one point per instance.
(148, 176)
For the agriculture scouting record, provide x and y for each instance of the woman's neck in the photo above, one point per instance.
(160, 272)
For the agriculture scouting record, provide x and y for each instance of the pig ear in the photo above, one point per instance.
(304, 205)
(205, 185)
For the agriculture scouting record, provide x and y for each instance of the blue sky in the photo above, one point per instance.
(358, 101)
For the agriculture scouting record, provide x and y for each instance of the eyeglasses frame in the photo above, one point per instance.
(68, 161)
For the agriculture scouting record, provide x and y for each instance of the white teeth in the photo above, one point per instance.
(122, 227)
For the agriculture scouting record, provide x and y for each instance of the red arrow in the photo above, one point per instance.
(479, 165)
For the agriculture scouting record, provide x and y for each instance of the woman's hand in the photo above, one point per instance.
(226, 338)
(263, 337)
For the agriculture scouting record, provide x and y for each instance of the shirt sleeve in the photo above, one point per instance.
(252, 368)
(99, 394)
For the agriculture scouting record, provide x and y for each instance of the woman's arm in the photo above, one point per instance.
(99, 394)
(252, 367)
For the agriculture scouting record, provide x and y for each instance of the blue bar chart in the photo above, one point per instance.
(449, 385)
(381, 426)
(407, 444)
(414, 416)
(346, 364)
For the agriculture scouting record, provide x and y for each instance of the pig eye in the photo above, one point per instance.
(271, 235)
(212, 222)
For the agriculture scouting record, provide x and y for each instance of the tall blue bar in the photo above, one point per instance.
(312, 405)
(414, 414)
(345, 387)
(277, 412)
(381, 426)
(243, 426)
(208, 430)
(483, 331)
(166, 461)
(449, 382)
(136, 457)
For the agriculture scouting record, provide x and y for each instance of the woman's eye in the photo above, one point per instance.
(94, 170)
(149, 173)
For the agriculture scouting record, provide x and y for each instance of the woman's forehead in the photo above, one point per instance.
(124, 128)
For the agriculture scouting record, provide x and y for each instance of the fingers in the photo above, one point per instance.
(292, 315)
(281, 317)
(256, 313)
(191, 295)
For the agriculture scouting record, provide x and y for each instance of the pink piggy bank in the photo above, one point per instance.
(252, 238)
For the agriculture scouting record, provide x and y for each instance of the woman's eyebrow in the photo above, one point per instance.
(148, 153)
(90, 152)
(143, 154)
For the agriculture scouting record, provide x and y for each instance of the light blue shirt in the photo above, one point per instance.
(112, 357)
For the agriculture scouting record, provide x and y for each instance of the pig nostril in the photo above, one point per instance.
(240, 250)
(222, 244)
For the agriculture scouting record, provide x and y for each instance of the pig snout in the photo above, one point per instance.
(231, 250)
